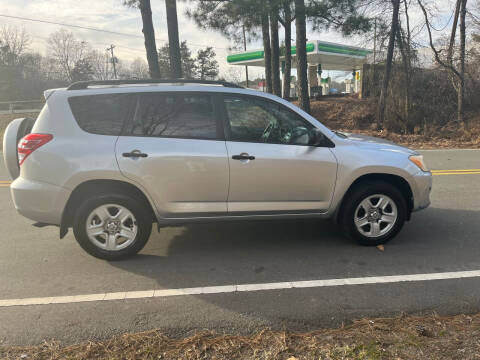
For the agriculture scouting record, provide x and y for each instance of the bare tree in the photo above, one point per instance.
(67, 51)
(100, 64)
(16, 39)
(461, 86)
(404, 40)
(233, 74)
(138, 69)
(388, 64)
(457, 71)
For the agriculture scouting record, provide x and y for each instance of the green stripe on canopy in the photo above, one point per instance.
(257, 55)
(338, 49)
(253, 55)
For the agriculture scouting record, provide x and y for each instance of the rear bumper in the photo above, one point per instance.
(422, 186)
(39, 201)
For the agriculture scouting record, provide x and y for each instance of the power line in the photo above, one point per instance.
(72, 25)
(94, 29)
(130, 49)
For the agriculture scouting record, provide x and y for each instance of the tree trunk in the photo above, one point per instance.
(245, 49)
(406, 70)
(301, 54)
(288, 51)
(275, 48)
(173, 41)
(388, 65)
(149, 35)
(461, 87)
(267, 52)
(405, 44)
(454, 32)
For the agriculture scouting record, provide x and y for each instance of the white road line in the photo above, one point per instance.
(160, 293)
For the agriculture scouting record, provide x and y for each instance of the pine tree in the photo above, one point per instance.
(149, 35)
(207, 66)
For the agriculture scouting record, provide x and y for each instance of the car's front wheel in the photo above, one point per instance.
(374, 213)
(113, 226)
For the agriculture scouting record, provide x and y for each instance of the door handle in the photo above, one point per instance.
(134, 154)
(243, 157)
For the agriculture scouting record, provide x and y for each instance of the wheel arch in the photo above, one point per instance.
(399, 182)
(93, 187)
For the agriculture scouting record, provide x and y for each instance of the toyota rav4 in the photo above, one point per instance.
(111, 158)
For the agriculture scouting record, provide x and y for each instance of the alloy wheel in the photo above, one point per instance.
(111, 227)
(375, 216)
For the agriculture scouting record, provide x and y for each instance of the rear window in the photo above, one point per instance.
(188, 116)
(101, 114)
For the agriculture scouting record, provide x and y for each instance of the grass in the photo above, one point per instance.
(403, 337)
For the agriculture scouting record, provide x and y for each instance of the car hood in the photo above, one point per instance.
(375, 143)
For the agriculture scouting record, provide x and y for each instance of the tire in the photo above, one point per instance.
(390, 220)
(16, 130)
(132, 227)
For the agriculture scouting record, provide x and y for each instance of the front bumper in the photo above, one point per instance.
(39, 201)
(421, 188)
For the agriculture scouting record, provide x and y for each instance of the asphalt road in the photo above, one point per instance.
(443, 238)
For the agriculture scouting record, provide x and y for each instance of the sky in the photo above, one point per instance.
(113, 16)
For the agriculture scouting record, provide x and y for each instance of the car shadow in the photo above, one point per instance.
(232, 253)
(436, 240)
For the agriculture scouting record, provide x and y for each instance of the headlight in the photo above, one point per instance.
(418, 160)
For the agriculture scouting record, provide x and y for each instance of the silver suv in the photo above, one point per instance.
(110, 158)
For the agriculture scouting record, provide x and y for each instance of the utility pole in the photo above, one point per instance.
(374, 51)
(375, 43)
(113, 61)
(245, 48)
(106, 64)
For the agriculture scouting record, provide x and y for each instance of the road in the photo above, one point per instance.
(445, 238)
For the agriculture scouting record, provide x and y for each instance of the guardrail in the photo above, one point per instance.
(21, 106)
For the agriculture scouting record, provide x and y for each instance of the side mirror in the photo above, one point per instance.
(317, 138)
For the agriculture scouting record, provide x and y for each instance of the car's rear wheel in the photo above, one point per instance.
(112, 226)
(374, 213)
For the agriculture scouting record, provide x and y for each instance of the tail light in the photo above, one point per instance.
(30, 143)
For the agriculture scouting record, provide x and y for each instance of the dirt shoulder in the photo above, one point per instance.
(358, 116)
(405, 337)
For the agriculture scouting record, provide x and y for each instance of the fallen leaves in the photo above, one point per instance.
(403, 337)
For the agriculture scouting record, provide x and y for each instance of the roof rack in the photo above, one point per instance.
(81, 85)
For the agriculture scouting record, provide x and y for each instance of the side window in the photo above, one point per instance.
(101, 114)
(174, 115)
(256, 120)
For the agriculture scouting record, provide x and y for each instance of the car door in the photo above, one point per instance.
(272, 166)
(173, 146)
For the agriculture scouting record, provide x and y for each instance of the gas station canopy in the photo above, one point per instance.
(329, 55)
